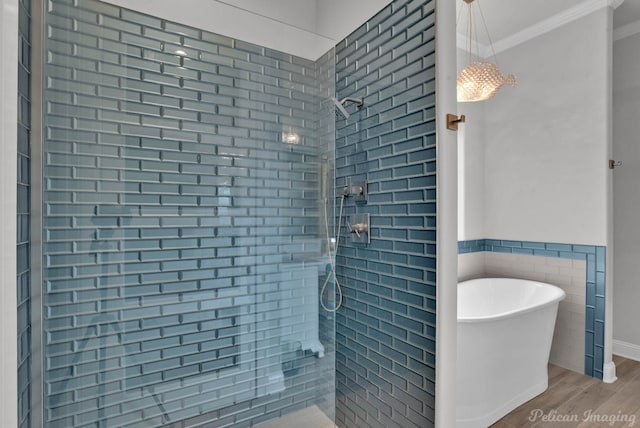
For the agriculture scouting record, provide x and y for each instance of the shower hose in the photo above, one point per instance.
(332, 261)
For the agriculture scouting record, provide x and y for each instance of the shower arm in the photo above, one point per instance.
(340, 104)
(358, 101)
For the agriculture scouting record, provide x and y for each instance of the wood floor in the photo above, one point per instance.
(574, 400)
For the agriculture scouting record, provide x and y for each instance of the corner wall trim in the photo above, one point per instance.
(540, 28)
(609, 372)
(625, 31)
(8, 223)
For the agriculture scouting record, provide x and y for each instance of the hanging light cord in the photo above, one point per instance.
(332, 261)
(473, 31)
(470, 31)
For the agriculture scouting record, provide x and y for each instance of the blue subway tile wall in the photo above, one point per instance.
(595, 257)
(385, 337)
(471, 246)
(23, 215)
(182, 237)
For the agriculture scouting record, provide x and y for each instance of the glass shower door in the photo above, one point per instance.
(183, 224)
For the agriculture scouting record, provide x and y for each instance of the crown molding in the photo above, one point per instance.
(627, 30)
(542, 27)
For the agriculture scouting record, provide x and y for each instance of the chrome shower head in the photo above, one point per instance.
(340, 107)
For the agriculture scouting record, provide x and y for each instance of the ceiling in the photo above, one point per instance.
(504, 18)
(628, 12)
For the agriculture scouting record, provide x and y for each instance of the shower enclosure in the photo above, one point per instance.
(179, 194)
(184, 201)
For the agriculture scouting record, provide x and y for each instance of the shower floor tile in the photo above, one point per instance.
(311, 417)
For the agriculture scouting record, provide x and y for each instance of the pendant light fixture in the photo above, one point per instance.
(480, 80)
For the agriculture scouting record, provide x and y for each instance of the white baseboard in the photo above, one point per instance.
(626, 349)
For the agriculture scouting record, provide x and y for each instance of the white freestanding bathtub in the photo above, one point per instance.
(505, 328)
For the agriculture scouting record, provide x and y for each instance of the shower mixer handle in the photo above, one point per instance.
(358, 225)
(357, 228)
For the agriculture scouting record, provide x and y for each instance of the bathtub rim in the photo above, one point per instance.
(561, 295)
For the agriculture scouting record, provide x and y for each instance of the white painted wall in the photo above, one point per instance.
(609, 367)
(8, 153)
(546, 142)
(306, 28)
(447, 206)
(626, 195)
(471, 165)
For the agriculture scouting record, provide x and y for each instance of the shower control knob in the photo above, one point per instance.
(358, 226)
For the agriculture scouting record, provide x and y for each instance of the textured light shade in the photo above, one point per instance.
(480, 81)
